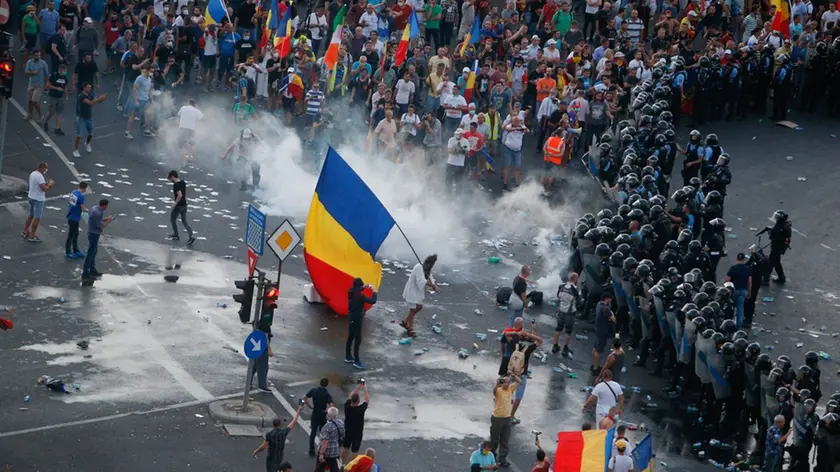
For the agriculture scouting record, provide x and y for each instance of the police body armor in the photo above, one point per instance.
(717, 370)
(752, 388)
(645, 308)
(701, 368)
(667, 318)
(687, 342)
(769, 403)
(803, 426)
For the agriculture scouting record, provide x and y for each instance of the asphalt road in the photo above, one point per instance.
(156, 345)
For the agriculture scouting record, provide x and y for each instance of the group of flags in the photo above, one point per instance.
(590, 451)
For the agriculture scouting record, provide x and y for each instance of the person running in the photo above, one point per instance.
(38, 188)
(75, 208)
(356, 312)
(188, 118)
(57, 95)
(97, 222)
(243, 147)
(84, 117)
(179, 209)
(141, 94)
(415, 290)
(275, 442)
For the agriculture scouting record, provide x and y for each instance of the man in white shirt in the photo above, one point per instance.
(832, 15)
(514, 133)
(188, 118)
(38, 187)
(606, 395)
(622, 462)
(455, 106)
(405, 93)
(369, 20)
(457, 148)
(469, 118)
(317, 24)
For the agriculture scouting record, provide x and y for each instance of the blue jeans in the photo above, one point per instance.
(740, 298)
(261, 371)
(90, 258)
(514, 314)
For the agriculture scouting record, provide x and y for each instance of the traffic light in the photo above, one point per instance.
(7, 76)
(245, 298)
(269, 303)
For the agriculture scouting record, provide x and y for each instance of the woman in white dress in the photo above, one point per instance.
(415, 290)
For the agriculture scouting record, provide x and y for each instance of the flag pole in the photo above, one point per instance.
(407, 241)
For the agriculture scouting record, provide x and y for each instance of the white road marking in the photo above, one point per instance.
(118, 416)
(828, 247)
(288, 407)
(47, 139)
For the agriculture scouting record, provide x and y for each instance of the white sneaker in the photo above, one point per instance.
(128, 135)
(87, 148)
(76, 153)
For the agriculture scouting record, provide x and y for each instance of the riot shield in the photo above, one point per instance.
(701, 363)
(592, 269)
(687, 342)
(769, 404)
(620, 296)
(632, 306)
(717, 369)
(644, 311)
(674, 327)
(664, 324)
(751, 389)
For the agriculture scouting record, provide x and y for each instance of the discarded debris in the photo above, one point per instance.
(800, 344)
(768, 299)
(390, 310)
(419, 352)
(478, 312)
(463, 353)
(405, 341)
(801, 179)
(324, 328)
(789, 158)
(53, 383)
(481, 336)
(436, 329)
(824, 355)
(26, 399)
(581, 337)
(494, 260)
(171, 278)
(221, 305)
(83, 345)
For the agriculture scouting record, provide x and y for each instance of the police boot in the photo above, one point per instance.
(644, 352)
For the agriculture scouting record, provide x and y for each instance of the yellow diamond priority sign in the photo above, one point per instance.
(283, 240)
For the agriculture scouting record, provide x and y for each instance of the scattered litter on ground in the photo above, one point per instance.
(478, 312)
(324, 328)
(171, 278)
(801, 179)
(83, 345)
(800, 344)
(436, 329)
(392, 310)
(768, 299)
(405, 341)
(463, 353)
(789, 158)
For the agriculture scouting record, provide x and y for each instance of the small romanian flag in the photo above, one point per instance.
(296, 86)
(583, 451)
(411, 31)
(283, 35)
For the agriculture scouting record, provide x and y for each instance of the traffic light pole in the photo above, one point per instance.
(260, 288)
(4, 109)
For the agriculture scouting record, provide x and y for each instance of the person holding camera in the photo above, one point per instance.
(321, 401)
(543, 464)
(357, 299)
(275, 442)
(500, 421)
(483, 458)
(354, 421)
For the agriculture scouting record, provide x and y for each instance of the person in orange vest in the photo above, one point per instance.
(554, 152)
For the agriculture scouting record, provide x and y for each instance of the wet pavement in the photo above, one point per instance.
(154, 344)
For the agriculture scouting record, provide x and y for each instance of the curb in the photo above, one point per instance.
(230, 411)
(10, 186)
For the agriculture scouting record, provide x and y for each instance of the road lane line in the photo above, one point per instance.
(288, 407)
(52, 143)
(117, 416)
(828, 247)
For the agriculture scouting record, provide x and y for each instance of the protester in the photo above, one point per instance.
(179, 209)
(75, 210)
(568, 298)
(415, 290)
(500, 425)
(275, 442)
(97, 222)
(39, 185)
(318, 400)
(356, 313)
(84, 117)
(354, 421)
(606, 394)
(483, 458)
(331, 438)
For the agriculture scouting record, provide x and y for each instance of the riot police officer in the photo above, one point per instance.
(759, 269)
(812, 360)
(781, 86)
(702, 92)
(696, 258)
(752, 390)
(764, 78)
(711, 153)
(733, 360)
(804, 426)
(816, 74)
(714, 242)
(780, 235)
(731, 86)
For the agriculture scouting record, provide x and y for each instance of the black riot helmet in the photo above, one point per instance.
(660, 140)
(698, 275)
(708, 312)
(623, 210)
(603, 250)
(832, 407)
(812, 358)
(835, 396)
(622, 238)
(763, 363)
(675, 276)
(670, 135)
(723, 159)
(722, 294)
(590, 219)
(695, 182)
(624, 249)
(605, 148)
(605, 138)
(775, 375)
(690, 278)
(604, 222)
(694, 314)
(779, 216)
(656, 290)
(810, 404)
(655, 212)
(715, 59)
(804, 372)
(822, 48)
(709, 288)
(782, 394)
(753, 350)
(636, 214)
(653, 161)
(701, 299)
(699, 321)
(804, 394)
(728, 349)
(581, 229)
(718, 338)
(647, 231)
(694, 135)
(593, 235)
(646, 121)
(658, 200)
(714, 198)
(625, 170)
(740, 346)
(605, 213)
(630, 264)
(711, 139)
(704, 61)
(728, 327)
(679, 295)
(679, 196)
(695, 247)
(642, 204)
(626, 139)
(740, 334)
(607, 233)
(708, 333)
(616, 259)
(632, 182)
(783, 362)
(647, 110)
(671, 245)
(643, 270)
(662, 125)
(666, 116)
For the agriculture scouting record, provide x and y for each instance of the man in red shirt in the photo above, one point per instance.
(112, 33)
(400, 14)
(476, 141)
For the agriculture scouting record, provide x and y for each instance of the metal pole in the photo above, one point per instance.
(279, 272)
(255, 322)
(4, 109)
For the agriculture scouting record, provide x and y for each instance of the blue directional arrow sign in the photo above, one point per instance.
(255, 344)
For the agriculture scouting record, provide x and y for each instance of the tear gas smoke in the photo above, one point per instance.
(434, 220)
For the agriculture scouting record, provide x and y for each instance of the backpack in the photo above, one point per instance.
(535, 297)
(503, 295)
(516, 365)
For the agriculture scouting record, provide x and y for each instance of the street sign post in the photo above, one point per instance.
(282, 242)
(252, 261)
(255, 344)
(255, 230)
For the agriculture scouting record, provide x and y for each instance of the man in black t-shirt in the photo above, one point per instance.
(86, 72)
(520, 292)
(320, 401)
(179, 189)
(354, 421)
(57, 93)
(275, 442)
(56, 47)
(245, 47)
(184, 47)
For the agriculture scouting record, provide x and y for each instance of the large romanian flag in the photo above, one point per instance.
(473, 36)
(583, 451)
(346, 226)
(215, 12)
(781, 20)
(410, 32)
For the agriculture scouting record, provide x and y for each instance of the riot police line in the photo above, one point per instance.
(660, 263)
